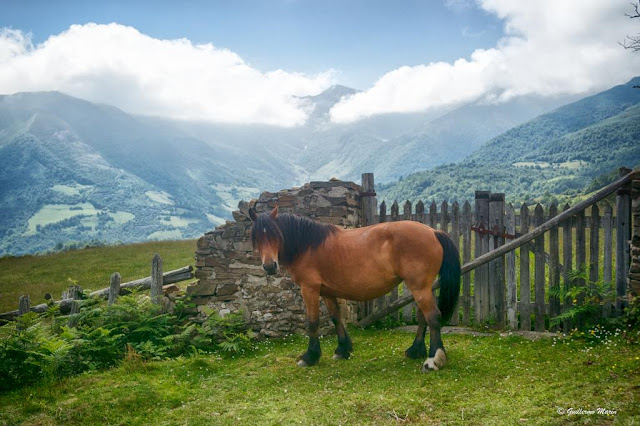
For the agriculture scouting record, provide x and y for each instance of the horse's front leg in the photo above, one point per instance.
(344, 341)
(311, 297)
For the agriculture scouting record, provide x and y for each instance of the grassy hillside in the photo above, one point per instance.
(489, 380)
(560, 153)
(91, 268)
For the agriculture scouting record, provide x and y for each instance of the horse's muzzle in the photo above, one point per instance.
(271, 269)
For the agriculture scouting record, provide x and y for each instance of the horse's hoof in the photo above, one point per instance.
(429, 365)
(435, 363)
(338, 356)
(301, 363)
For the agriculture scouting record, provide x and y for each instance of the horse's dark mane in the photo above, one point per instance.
(296, 234)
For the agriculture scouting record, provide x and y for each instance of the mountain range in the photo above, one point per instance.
(558, 153)
(71, 170)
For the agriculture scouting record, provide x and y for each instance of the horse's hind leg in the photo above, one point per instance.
(418, 350)
(344, 341)
(427, 303)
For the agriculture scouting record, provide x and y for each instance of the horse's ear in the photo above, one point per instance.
(274, 212)
(252, 214)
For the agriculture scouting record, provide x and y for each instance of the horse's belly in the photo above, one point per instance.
(358, 289)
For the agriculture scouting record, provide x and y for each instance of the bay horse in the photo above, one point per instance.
(362, 264)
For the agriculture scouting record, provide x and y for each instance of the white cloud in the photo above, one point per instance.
(550, 47)
(118, 65)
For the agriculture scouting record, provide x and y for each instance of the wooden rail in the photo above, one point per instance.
(66, 304)
(538, 231)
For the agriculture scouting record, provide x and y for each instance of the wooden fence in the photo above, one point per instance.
(514, 259)
(69, 302)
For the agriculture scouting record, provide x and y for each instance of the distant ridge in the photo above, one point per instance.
(556, 154)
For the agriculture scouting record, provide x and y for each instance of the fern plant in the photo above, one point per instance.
(587, 297)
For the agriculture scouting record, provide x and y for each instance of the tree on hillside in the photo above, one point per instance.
(633, 42)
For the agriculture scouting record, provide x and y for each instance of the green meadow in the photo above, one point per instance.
(90, 268)
(495, 380)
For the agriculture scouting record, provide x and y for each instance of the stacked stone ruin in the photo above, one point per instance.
(230, 275)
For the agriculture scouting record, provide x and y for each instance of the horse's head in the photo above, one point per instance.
(266, 238)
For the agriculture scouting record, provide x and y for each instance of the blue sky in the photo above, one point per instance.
(361, 39)
(250, 61)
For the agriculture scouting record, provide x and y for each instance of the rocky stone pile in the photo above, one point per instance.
(230, 275)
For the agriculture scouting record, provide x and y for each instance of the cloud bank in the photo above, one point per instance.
(118, 65)
(550, 47)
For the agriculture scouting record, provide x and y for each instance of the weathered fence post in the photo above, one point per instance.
(24, 304)
(567, 259)
(114, 288)
(481, 287)
(623, 235)
(512, 300)
(496, 267)
(539, 278)
(466, 257)
(433, 215)
(554, 266)
(444, 216)
(407, 310)
(525, 274)
(607, 225)
(74, 293)
(156, 279)
(420, 211)
(455, 236)
(368, 199)
(594, 244)
(581, 256)
(406, 210)
(369, 208)
(392, 296)
(634, 269)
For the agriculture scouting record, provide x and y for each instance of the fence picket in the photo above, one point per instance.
(581, 251)
(594, 244)
(539, 278)
(623, 235)
(383, 212)
(567, 259)
(433, 215)
(392, 296)
(406, 213)
(525, 277)
(512, 302)
(420, 212)
(466, 257)
(607, 224)
(407, 310)
(496, 267)
(444, 216)
(554, 266)
(455, 236)
(481, 287)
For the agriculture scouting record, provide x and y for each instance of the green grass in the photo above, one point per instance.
(489, 380)
(91, 268)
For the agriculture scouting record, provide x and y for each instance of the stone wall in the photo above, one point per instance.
(230, 275)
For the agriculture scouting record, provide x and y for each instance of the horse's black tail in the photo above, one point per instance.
(449, 276)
